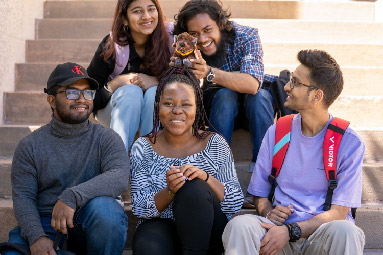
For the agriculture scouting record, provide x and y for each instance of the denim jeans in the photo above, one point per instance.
(100, 228)
(129, 109)
(259, 112)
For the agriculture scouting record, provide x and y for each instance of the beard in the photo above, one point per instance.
(219, 57)
(69, 117)
(297, 104)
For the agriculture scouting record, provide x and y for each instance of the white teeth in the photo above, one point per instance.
(206, 44)
(177, 121)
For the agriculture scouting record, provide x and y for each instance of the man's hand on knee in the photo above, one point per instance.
(274, 240)
(42, 246)
(62, 217)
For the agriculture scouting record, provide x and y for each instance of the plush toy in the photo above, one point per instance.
(185, 49)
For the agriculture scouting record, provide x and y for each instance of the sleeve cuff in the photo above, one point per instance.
(68, 198)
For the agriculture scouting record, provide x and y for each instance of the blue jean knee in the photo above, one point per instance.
(260, 113)
(15, 234)
(146, 125)
(223, 110)
(127, 102)
(105, 223)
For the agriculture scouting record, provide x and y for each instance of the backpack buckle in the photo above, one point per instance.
(332, 184)
(271, 179)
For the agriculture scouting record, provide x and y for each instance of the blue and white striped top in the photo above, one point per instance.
(148, 173)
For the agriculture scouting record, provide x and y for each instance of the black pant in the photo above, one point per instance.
(197, 229)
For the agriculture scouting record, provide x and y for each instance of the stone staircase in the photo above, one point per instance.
(71, 31)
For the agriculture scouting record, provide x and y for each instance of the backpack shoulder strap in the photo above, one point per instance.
(282, 141)
(331, 142)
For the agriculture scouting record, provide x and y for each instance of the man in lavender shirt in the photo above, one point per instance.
(295, 222)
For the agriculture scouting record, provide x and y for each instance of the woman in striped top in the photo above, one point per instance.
(184, 184)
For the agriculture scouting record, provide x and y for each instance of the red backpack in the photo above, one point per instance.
(331, 142)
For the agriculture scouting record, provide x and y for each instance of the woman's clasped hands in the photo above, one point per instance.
(178, 175)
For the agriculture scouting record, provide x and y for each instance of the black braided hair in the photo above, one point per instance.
(182, 75)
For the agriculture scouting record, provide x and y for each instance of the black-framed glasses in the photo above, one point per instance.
(74, 94)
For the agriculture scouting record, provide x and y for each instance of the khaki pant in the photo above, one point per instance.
(243, 236)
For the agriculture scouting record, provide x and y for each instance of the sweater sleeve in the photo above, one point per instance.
(114, 177)
(99, 69)
(24, 178)
(227, 175)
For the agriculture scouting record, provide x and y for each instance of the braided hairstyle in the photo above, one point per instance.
(182, 75)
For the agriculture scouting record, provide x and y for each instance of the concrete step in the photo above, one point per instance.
(359, 81)
(354, 109)
(346, 54)
(366, 252)
(10, 136)
(32, 108)
(269, 29)
(331, 11)
(368, 218)
(7, 219)
(281, 53)
(5, 178)
(60, 50)
(34, 76)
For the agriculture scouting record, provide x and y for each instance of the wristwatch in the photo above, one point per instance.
(210, 76)
(295, 232)
(106, 87)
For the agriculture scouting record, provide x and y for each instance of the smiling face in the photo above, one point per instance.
(298, 98)
(71, 111)
(177, 109)
(142, 18)
(207, 31)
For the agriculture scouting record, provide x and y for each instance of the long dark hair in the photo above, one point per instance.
(182, 75)
(157, 53)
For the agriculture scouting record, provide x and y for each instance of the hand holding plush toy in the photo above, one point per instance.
(185, 49)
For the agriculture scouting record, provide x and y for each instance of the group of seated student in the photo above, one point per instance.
(184, 187)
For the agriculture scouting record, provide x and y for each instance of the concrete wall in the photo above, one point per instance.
(17, 25)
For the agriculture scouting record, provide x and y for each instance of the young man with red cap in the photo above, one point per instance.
(66, 174)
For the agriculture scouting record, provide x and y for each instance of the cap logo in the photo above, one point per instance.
(77, 70)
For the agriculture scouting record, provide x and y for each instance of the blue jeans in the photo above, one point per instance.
(129, 109)
(100, 228)
(259, 112)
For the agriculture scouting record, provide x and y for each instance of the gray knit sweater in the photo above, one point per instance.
(73, 163)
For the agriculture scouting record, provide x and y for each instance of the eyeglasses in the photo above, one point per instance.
(294, 82)
(74, 94)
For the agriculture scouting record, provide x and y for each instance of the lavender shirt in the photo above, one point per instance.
(302, 180)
